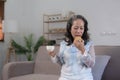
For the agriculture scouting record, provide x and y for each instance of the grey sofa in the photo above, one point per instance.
(43, 69)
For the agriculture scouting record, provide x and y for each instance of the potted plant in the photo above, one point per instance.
(29, 49)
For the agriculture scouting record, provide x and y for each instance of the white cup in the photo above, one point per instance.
(50, 48)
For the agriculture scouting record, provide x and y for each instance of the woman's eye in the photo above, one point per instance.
(75, 28)
(81, 28)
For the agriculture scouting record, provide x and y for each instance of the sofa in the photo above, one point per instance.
(107, 66)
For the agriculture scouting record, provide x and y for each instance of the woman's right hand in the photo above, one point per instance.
(50, 50)
(52, 53)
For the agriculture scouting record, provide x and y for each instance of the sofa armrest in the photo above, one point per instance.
(13, 69)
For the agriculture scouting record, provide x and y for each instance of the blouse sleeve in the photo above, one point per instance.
(58, 58)
(88, 58)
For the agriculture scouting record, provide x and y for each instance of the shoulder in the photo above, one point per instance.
(63, 43)
(89, 43)
(62, 46)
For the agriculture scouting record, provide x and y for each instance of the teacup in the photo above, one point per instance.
(50, 48)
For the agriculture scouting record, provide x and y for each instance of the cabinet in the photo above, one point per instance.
(54, 27)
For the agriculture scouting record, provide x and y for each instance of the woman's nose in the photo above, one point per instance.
(78, 31)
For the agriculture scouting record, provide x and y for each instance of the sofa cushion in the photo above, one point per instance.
(100, 65)
(36, 77)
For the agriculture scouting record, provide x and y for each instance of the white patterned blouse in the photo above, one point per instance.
(75, 65)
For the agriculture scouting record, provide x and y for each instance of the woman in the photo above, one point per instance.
(76, 56)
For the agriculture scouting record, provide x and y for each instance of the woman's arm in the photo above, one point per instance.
(88, 58)
(58, 58)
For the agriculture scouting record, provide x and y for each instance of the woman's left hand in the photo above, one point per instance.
(80, 45)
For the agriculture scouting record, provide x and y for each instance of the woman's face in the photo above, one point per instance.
(77, 28)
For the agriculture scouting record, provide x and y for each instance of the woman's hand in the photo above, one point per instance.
(79, 43)
(52, 53)
(50, 50)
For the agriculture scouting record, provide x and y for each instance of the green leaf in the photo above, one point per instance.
(18, 48)
(29, 42)
(40, 42)
(29, 57)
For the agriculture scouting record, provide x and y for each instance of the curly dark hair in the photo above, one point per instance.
(69, 38)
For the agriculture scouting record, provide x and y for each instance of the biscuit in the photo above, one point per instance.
(78, 38)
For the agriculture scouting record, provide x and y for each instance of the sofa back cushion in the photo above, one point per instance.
(100, 65)
(113, 68)
(43, 63)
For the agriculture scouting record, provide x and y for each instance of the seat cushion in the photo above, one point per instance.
(36, 77)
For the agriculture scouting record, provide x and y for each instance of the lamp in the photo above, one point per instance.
(10, 28)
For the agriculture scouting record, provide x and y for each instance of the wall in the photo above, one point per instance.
(103, 20)
(102, 15)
